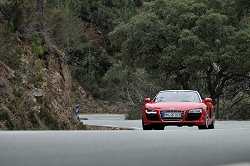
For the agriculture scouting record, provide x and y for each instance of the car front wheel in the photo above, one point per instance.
(147, 127)
(211, 126)
(205, 126)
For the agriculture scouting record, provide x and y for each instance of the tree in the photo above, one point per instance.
(128, 10)
(63, 26)
(192, 41)
(242, 8)
(128, 88)
(40, 6)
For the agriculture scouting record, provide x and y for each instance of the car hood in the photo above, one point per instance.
(175, 105)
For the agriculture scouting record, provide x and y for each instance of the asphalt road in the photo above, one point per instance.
(118, 120)
(228, 144)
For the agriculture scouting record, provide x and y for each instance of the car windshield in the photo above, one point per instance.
(177, 96)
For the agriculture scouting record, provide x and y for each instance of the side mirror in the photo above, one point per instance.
(206, 100)
(147, 100)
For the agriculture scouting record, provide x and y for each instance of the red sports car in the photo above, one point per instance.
(178, 108)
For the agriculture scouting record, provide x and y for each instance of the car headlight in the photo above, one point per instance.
(198, 110)
(149, 111)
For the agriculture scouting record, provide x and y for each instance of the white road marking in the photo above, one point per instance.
(109, 126)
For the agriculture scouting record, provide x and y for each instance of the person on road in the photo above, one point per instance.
(77, 110)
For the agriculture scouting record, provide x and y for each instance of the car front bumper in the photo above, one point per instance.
(185, 120)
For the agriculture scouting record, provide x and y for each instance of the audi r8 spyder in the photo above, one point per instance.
(178, 108)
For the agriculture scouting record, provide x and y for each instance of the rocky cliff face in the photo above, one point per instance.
(25, 104)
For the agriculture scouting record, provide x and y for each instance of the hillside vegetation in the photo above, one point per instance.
(109, 55)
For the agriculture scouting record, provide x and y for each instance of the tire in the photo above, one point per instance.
(211, 126)
(159, 127)
(147, 127)
(205, 126)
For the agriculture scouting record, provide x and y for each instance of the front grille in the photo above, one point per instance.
(152, 117)
(193, 116)
(171, 118)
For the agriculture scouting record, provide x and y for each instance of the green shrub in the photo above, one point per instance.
(38, 66)
(15, 13)
(16, 104)
(11, 49)
(37, 80)
(4, 116)
(47, 118)
(10, 125)
(15, 80)
(9, 29)
(134, 113)
(85, 9)
(37, 47)
(33, 118)
(5, 119)
(14, 58)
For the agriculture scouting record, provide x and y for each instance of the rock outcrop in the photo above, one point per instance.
(24, 104)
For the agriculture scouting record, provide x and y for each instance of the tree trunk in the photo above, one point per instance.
(40, 6)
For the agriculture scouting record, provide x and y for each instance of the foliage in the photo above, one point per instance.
(129, 87)
(18, 110)
(10, 50)
(102, 16)
(127, 11)
(20, 18)
(117, 80)
(14, 58)
(138, 3)
(175, 38)
(37, 64)
(236, 107)
(34, 119)
(37, 80)
(242, 8)
(105, 14)
(47, 118)
(37, 46)
(6, 119)
(85, 9)
(62, 24)
(92, 63)
(14, 12)
(15, 80)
